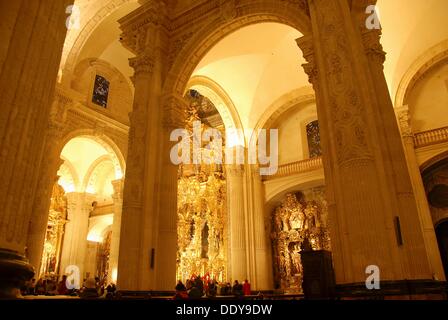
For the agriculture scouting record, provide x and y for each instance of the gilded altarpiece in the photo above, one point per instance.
(202, 214)
(299, 223)
(57, 219)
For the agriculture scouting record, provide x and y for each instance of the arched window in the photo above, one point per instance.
(313, 137)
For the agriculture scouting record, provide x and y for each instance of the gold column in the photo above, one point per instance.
(33, 34)
(364, 195)
(424, 211)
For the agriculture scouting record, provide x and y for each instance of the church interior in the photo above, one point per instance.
(345, 196)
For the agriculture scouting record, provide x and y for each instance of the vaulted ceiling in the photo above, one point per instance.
(260, 63)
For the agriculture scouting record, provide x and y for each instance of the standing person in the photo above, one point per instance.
(237, 289)
(62, 286)
(246, 288)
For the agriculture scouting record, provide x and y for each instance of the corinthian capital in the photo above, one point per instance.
(305, 43)
(142, 64)
(404, 121)
(372, 45)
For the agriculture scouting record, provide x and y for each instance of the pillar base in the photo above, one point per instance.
(15, 271)
(396, 290)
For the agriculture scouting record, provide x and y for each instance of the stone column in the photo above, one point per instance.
(147, 39)
(238, 256)
(365, 197)
(424, 211)
(51, 162)
(263, 261)
(79, 206)
(33, 34)
(116, 227)
(166, 252)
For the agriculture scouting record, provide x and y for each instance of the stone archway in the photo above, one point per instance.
(228, 17)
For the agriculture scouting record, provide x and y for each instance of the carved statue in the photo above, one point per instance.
(297, 218)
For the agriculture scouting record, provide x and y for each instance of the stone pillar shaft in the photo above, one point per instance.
(263, 261)
(33, 34)
(140, 197)
(429, 235)
(51, 162)
(116, 227)
(235, 198)
(363, 195)
(79, 206)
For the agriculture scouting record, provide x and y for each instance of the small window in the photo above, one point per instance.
(313, 136)
(100, 91)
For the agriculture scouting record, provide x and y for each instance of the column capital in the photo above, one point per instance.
(142, 64)
(404, 121)
(118, 189)
(372, 44)
(174, 111)
(305, 43)
(139, 28)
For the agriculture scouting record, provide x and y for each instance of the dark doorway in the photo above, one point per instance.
(442, 238)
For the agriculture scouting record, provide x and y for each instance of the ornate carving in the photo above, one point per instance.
(302, 216)
(174, 112)
(228, 9)
(349, 125)
(306, 45)
(372, 45)
(404, 121)
(143, 64)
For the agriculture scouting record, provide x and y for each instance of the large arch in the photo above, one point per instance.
(223, 103)
(299, 97)
(424, 63)
(249, 12)
(106, 142)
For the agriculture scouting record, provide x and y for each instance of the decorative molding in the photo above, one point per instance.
(297, 167)
(431, 137)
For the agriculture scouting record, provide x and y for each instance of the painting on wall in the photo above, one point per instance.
(313, 136)
(101, 91)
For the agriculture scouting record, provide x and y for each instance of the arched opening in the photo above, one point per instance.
(435, 180)
(202, 212)
(244, 74)
(442, 239)
(83, 208)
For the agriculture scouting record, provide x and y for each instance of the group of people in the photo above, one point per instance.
(46, 287)
(198, 287)
(91, 288)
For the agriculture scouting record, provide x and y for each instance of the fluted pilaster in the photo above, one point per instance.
(238, 223)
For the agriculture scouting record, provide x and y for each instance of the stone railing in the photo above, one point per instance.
(297, 167)
(431, 137)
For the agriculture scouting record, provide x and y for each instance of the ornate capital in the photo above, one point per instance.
(305, 43)
(174, 112)
(404, 121)
(118, 189)
(372, 45)
(142, 65)
(139, 28)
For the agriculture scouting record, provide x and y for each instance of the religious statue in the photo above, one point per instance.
(296, 219)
